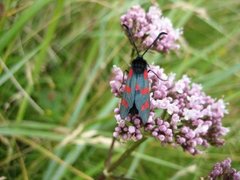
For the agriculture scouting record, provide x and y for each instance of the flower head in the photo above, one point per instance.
(180, 112)
(223, 170)
(146, 26)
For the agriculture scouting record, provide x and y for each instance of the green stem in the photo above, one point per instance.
(125, 155)
(24, 104)
(164, 114)
(108, 160)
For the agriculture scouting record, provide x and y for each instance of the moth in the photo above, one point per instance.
(136, 95)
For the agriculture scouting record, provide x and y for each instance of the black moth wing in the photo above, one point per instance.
(136, 95)
(128, 95)
(142, 97)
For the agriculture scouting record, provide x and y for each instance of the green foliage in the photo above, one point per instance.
(56, 108)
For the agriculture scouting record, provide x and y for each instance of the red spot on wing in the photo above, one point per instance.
(130, 74)
(145, 106)
(124, 103)
(145, 91)
(127, 89)
(145, 74)
(137, 87)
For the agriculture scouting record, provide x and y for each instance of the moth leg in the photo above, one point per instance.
(156, 75)
(126, 71)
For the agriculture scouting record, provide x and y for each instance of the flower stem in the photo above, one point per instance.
(108, 160)
(125, 155)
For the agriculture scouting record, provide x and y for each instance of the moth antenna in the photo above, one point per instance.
(159, 36)
(130, 37)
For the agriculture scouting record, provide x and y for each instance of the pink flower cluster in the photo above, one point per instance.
(181, 113)
(146, 26)
(223, 170)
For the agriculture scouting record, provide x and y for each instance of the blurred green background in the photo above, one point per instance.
(56, 108)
